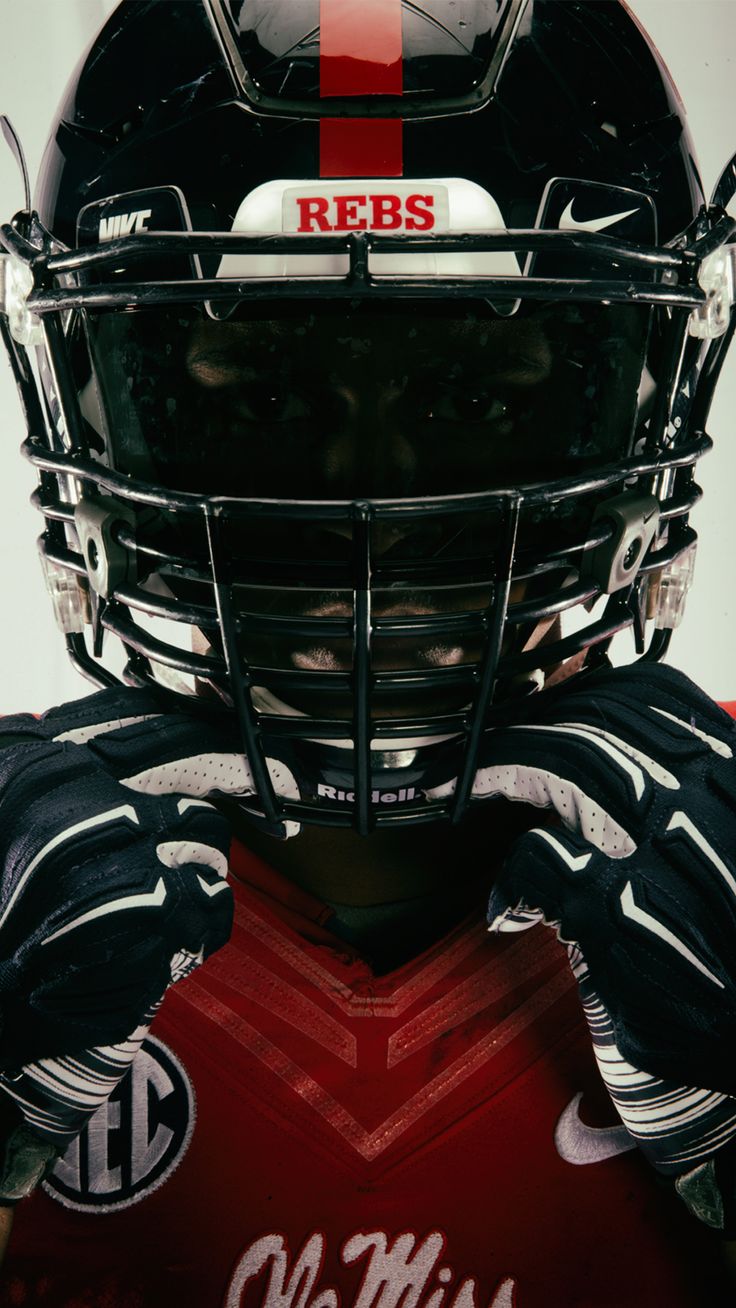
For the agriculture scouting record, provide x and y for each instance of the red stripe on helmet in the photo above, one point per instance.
(360, 147)
(360, 47)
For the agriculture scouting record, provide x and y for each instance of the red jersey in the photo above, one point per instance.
(301, 1133)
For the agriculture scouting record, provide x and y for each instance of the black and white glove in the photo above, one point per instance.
(638, 876)
(113, 886)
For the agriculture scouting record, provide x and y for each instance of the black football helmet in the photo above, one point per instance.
(366, 351)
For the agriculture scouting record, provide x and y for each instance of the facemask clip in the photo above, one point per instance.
(716, 276)
(668, 590)
(69, 599)
(16, 284)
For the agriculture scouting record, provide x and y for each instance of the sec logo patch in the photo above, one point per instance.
(134, 1142)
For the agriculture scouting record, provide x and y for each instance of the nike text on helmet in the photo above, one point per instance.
(364, 385)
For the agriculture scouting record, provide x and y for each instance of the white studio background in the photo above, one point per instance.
(41, 43)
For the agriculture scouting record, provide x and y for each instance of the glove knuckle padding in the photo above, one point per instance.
(106, 894)
(656, 926)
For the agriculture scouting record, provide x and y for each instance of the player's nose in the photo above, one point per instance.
(369, 453)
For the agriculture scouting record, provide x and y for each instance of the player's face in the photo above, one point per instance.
(345, 401)
(342, 401)
(366, 404)
(378, 405)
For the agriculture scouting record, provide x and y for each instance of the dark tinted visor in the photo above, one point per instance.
(366, 400)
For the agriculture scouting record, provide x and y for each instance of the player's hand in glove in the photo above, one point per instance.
(113, 886)
(639, 879)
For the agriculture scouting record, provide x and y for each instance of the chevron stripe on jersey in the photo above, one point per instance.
(363, 1139)
(310, 1031)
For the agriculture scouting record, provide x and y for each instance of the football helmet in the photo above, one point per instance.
(366, 351)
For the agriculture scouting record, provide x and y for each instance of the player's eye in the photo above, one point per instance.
(456, 404)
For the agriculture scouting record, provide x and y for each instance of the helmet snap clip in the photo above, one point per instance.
(107, 561)
(615, 562)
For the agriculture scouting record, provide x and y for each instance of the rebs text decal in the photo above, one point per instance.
(330, 207)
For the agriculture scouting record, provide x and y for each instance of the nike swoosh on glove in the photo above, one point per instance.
(639, 879)
(113, 887)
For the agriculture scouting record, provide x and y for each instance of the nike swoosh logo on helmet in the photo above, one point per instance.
(581, 1145)
(568, 223)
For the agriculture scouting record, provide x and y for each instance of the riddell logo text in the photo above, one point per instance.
(377, 796)
(406, 1270)
(358, 213)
